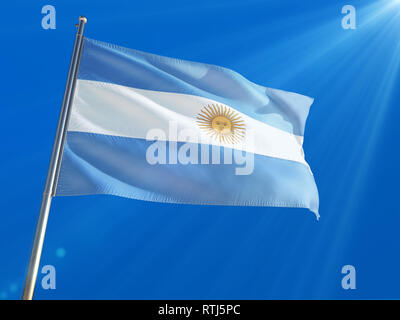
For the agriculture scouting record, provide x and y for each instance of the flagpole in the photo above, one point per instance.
(55, 164)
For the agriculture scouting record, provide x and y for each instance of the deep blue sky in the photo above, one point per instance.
(113, 248)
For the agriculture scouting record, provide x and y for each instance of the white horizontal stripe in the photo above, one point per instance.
(117, 110)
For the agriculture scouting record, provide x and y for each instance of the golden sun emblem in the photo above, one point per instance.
(221, 123)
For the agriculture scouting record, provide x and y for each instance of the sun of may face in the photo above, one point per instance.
(221, 123)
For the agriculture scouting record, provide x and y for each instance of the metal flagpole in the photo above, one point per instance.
(55, 164)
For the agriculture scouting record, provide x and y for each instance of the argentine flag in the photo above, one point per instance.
(153, 128)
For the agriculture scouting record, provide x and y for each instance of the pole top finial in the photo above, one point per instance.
(83, 19)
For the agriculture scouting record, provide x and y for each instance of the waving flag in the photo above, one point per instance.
(154, 128)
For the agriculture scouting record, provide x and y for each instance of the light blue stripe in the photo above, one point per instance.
(102, 164)
(109, 63)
